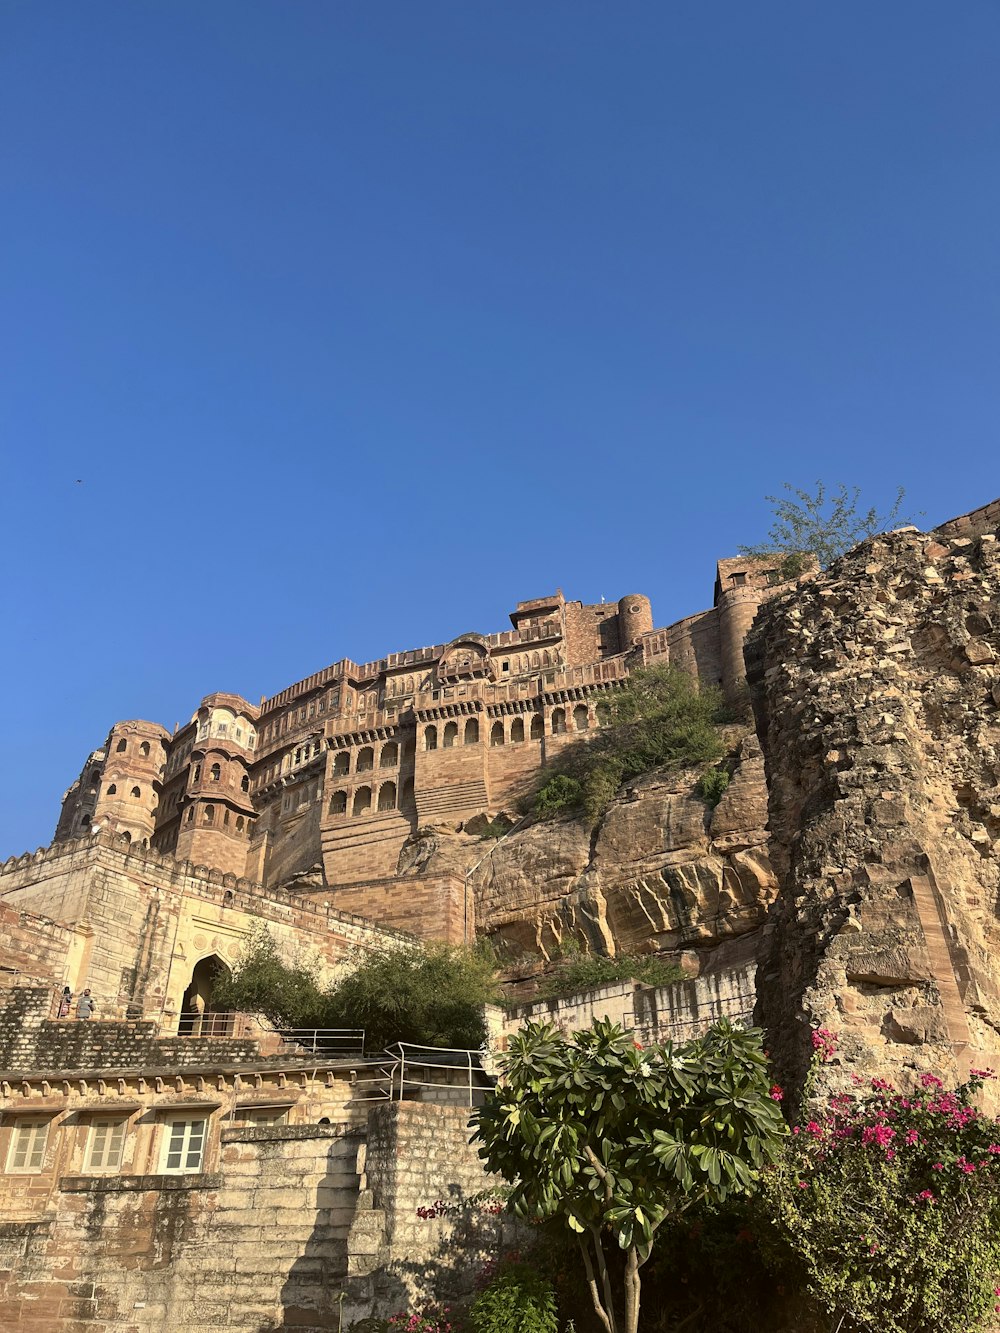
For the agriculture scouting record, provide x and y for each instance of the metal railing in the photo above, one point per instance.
(331, 1043)
(453, 1073)
(334, 1043)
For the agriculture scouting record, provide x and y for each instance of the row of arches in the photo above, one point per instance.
(365, 799)
(388, 757)
(561, 721)
(470, 735)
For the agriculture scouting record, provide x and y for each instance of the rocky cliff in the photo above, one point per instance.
(660, 872)
(876, 689)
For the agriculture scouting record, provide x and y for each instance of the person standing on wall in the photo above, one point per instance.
(87, 1005)
(65, 1003)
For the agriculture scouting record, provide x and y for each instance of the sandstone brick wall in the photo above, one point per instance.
(260, 1244)
(675, 1012)
(435, 907)
(418, 1153)
(31, 1040)
(35, 946)
(145, 920)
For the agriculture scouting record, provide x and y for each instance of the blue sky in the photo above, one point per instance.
(360, 322)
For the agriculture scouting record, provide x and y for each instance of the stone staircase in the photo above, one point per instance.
(458, 798)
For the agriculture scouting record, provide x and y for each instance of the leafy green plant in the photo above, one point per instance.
(559, 793)
(821, 525)
(658, 718)
(577, 971)
(712, 785)
(891, 1203)
(430, 994)
(615, 1140)
(517, 1300)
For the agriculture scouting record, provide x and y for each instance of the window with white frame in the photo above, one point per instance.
(104, 1145)
(27, 1145)
(184, 1146)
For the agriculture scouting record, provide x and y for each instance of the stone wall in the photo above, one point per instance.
(30, 1040)
(877, 693)
(278, 1224)
(260, 1244)
(418, 1153)
(147, 919)
(675, 1012)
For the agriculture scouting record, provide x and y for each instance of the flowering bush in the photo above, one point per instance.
(891, 1203)
(404, 1322)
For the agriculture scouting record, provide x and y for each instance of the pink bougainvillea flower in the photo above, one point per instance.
(777, 1093)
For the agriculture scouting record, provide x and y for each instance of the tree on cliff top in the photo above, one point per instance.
(429, 994)
(824, 524)
(615, 1140)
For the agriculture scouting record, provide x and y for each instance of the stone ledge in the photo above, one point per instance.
(123, 1184)
(284, 1133)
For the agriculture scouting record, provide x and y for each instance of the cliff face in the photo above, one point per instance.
(661, 871)
(877, 693)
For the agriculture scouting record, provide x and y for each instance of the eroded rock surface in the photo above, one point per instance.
(661, 872)
(877, 692)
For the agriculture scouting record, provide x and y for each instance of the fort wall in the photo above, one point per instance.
(144, 921)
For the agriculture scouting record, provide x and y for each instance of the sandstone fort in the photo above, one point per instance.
(167, 1157)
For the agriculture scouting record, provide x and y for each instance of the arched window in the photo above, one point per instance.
(387, 796)
(196, 776)
(389, 757)
(342, 764)
(209, 815)
(84, 820)
(95, 777)
(190, 814)
(430, 738)
(126, 838)
(113, 789)
(144, 749)
(362, 800)
(338, 803)
(496, 734)
(516, 731)
(580, 719)
(215, 772)
(121, 747)
(450, 735)
(136, 793)
(537, 729)
(225, 817)
(239, 823)
(558, 721)
(472, 732)
(366, 759)
(244, 783)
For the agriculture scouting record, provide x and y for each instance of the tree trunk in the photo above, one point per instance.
(632, 1289)
(605, 1315)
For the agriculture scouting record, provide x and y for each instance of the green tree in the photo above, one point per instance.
(614, 1140)
(658, 718)
(823, 524)
(430, 994)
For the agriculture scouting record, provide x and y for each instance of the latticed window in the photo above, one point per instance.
(185, 1147)
(27, 1146)
(104, 1149)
